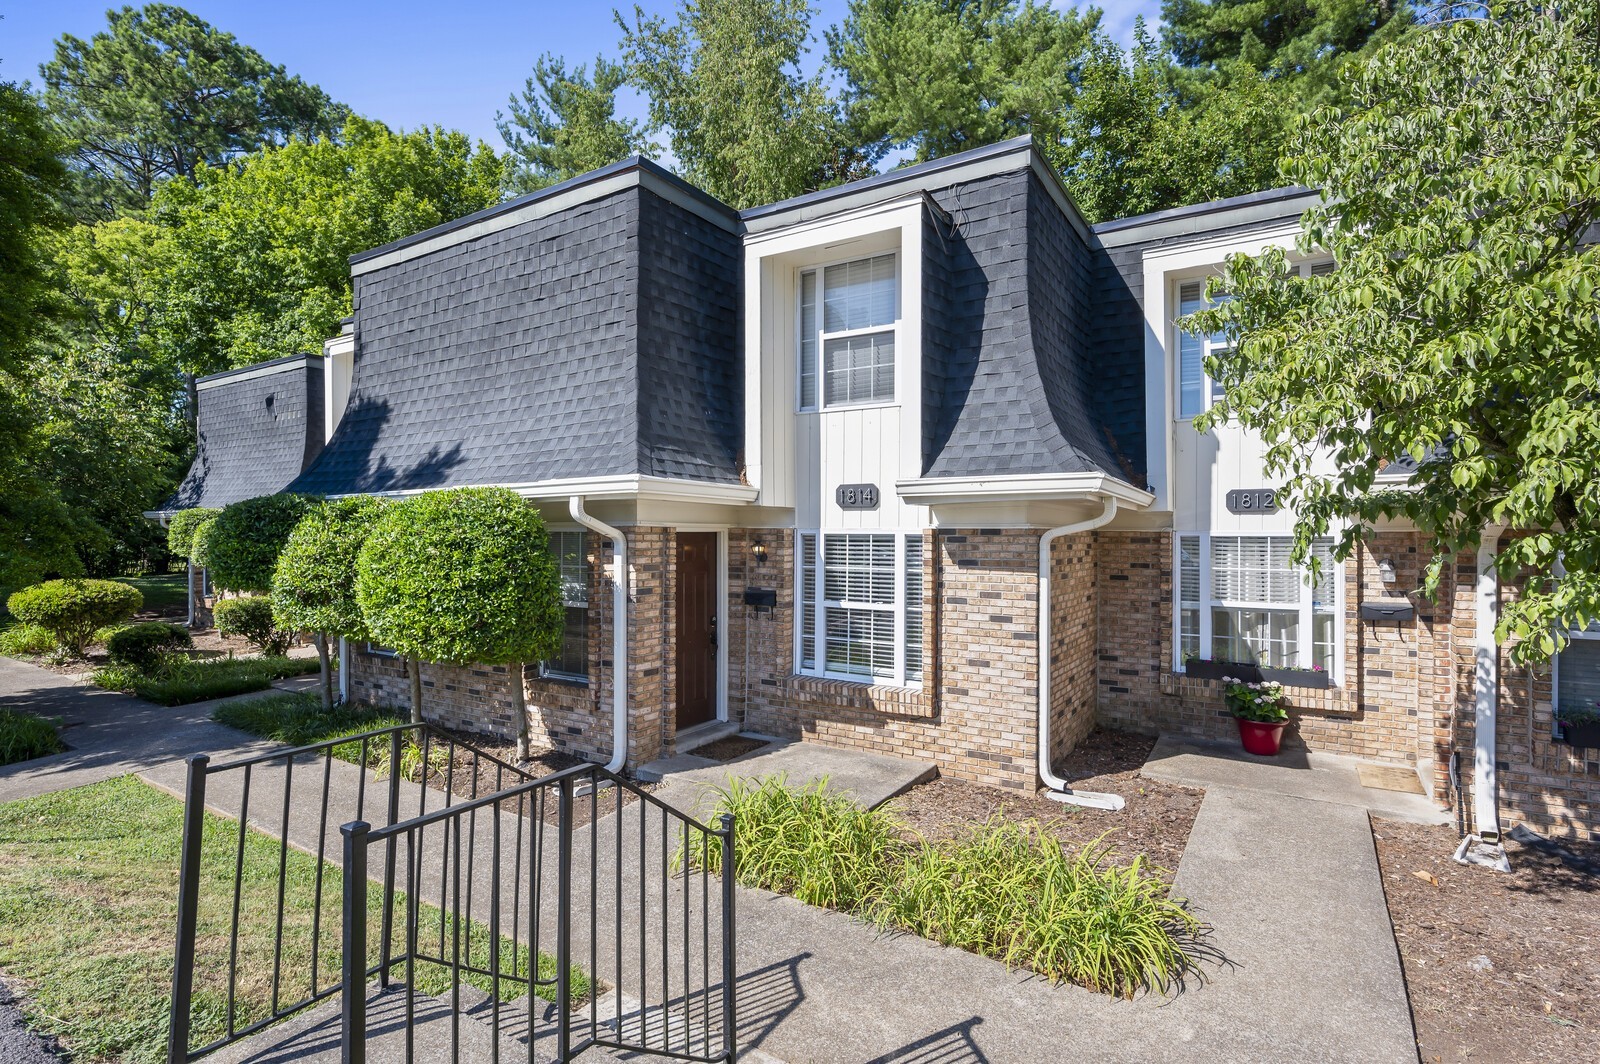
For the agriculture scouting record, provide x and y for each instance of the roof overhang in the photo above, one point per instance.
(622, 486)
(1047, 487)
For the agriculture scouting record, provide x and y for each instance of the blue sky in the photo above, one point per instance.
(406, 62)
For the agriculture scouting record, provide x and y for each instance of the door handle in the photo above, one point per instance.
(713, 631)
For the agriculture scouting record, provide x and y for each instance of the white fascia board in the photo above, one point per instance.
(803, 234)
(250, 373)
(1023, 488)
(624, 486)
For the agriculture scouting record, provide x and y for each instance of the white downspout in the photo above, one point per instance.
(344, 670)
(1059, 789)
(188, 579)
(1483, 846)
(619, 631)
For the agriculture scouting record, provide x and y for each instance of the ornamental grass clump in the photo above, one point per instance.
(1012, 892)
(24, 737)
(1008, 891)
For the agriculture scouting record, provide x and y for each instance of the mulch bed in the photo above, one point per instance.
(1155, 823)
(1499, 967)
(490, 777)
(731, 747)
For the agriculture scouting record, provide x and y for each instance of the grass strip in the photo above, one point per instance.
(88, 903)
(1007, 891)
(181, 681)
(24, 737)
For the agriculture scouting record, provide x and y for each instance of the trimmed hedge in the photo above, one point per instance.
(313, 587)
(243, 545)
(72, 610)
(181, 529)
(252, 619)
(200, 540)
(142, 645)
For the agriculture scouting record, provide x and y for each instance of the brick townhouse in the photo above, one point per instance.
(905, 465)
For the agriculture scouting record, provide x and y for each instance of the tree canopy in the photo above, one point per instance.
(159, 93)
(243, 542)
(1279, 38)
(1458, 328)
(564, 123)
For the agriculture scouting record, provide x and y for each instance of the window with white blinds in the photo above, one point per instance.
(859, 608)
(1578, 670)
(1239, 599)
(848, 317)
(572, 662)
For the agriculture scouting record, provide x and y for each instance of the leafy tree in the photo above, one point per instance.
(1127, 144)
(313, 587)
(1458, 327)
(181, 529)
(462, 576)
(200, 541)
(243, 544)
(940, 76)
(258, 251)
(160, 92)
(563, 123)
(723, 79)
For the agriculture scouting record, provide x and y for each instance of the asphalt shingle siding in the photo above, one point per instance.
(255, 434)
(1010, 347)
(586, 343)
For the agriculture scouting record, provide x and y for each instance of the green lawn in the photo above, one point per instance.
(88, 904)
(163, 593)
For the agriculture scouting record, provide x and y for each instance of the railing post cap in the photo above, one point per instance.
(200, 759)
(355, 827)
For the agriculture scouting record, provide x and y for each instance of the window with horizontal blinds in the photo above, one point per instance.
(1578, 671)
(859, 608)
(1196, 390)
(572, 661)
(1240, 599)
(847, 322)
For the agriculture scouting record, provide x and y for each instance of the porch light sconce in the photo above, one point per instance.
(1386, 571)
(758, 550)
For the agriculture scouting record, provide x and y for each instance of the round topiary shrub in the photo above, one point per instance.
(200, 540)
(142, 645)
(243, 545)
(71, 610)
(180, 530)
(251, 618)
(462, 576)
(313, 588)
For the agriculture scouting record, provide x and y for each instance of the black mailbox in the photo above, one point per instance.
(1392, 612)
(760, 596)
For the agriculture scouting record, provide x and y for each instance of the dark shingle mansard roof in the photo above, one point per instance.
(257, 427)
(589, 330)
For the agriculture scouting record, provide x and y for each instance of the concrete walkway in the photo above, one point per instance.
(691, 782)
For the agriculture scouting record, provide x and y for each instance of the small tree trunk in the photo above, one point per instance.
(519, 706)
(414, 670)
(327, 670)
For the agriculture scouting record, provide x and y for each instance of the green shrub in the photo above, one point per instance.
(26, 641)
(72, 610)
(300, 720)
(251, 618)
(144, 645)
(243, 545)
(200, 541)
(24, 737)
(1007, 891)
(180, 530)
(181, 681)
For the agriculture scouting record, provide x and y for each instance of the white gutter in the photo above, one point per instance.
(1059, 789)
(619, 631)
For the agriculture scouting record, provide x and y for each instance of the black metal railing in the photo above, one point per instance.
(564, 911)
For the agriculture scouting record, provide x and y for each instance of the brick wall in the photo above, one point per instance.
(1073, 614)
(975, 713)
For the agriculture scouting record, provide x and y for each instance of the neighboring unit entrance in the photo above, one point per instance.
(697, 628)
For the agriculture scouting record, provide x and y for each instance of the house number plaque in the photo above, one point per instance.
(1253, 501)
(856, 496)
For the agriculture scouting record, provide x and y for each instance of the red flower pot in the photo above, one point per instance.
(1259, 738)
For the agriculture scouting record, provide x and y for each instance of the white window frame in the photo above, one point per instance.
(1210, 345)
(1206, 602)
(822, 336)
(905, 540)
(545, 671)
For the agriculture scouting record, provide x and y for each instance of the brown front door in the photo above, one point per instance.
(697, 628)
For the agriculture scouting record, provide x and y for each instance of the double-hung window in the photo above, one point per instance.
(860, 606)
(847, 332)
(1239, 599)
(1578, 670)
(572, 661)
(1196, 390)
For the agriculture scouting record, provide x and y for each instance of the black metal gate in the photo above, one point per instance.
(541, 915)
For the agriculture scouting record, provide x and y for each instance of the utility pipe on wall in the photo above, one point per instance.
(1059, 789)
(619, 630)
(1485, 805)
